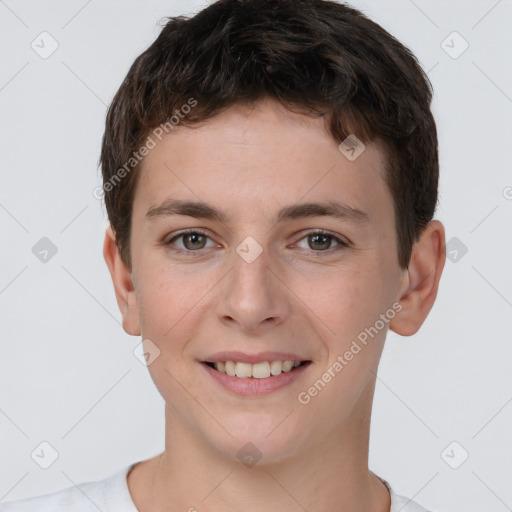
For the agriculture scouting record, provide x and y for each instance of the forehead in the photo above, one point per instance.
(253, 157)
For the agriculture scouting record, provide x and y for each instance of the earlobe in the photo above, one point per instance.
(424, 272)
(123, 284)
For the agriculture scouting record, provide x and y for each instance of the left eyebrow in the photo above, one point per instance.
(335, 209)
(201, 210)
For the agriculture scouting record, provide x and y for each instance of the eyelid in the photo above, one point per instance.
(182, 232)
(318, 231)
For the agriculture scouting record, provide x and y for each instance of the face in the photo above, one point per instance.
(263, 280)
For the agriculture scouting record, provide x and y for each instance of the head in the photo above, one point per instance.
(249, 107)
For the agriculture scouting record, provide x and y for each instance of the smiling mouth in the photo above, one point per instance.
(262, 370)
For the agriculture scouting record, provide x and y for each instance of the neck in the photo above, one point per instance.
(330, 475)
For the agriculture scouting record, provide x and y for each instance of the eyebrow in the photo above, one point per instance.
(201, 210)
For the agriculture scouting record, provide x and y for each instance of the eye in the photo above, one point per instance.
(193, 240)
(321, 241)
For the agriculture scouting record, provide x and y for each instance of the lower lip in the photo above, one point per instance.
(252, 386)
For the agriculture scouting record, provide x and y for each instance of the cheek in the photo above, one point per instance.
(348, 300)
(169, 303)
(167, 299)
(353, 310)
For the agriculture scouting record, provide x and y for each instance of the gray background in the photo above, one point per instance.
(68, 375)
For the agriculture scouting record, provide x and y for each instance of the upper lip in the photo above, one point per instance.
(259, 357)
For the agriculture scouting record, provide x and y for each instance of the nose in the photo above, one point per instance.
(254, 297)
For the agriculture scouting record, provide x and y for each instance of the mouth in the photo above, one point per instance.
(261, 370)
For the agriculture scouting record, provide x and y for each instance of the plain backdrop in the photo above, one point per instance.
(68, 375)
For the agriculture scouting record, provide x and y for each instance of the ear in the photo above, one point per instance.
(419, 290)
(123, 284)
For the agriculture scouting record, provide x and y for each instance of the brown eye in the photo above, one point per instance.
(318, 241)
(322, 242)
(194, 241)
(191, 241)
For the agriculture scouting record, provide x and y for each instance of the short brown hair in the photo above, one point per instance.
(316, 57)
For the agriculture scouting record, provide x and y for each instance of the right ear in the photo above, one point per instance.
(123, 284)
(423, 275)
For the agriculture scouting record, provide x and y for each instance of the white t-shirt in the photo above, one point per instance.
(112, 495)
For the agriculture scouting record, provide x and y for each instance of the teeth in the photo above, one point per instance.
(287, 366)
(229, 367)
(243, 370)
(276, 367)
(261, 370)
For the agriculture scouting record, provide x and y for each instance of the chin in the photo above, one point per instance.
(256, 441)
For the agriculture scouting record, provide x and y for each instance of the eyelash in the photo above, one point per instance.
(198, 231)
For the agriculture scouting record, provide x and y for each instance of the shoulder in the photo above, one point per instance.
(67, 499)
(108, 495)
(403, 504)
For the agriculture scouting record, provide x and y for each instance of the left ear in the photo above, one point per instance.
(419, 291)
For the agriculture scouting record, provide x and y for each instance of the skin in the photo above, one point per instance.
(300, 295)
